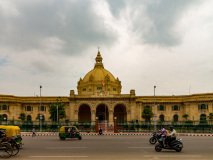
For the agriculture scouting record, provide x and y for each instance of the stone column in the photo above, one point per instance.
(76, 115)
(128, 116)
(93, 117)
(111, 120)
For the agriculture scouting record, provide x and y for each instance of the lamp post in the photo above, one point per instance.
(57, 113)
(40, 112)
(155, 116)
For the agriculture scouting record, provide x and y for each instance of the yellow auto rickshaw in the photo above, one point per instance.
(69, 132)
(13, 133)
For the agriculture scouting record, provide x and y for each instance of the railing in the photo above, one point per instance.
(128, 126)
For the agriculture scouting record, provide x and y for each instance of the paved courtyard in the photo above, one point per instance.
(110, 147)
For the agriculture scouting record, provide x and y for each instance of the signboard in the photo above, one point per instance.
(155, 116)
(40, 116)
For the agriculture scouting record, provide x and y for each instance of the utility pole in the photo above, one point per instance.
(155, 115)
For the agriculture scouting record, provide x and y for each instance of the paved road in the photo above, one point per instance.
(110, 147)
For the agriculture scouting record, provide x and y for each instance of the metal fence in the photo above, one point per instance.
(130, 126)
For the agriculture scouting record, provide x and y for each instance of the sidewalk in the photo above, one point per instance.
(113, 134)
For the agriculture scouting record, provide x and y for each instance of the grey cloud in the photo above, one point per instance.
(154, 21)
(73, 22)
(164, 14)
(116, 6)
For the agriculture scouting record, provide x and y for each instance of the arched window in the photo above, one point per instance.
(29, 119)
(202, 117)
(175, 118)
(161, 118)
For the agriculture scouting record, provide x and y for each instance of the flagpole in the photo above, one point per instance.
(105, 109)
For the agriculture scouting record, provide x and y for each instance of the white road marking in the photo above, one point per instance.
(65, 147)
(139, 147)
(173, 156)
(59, 156)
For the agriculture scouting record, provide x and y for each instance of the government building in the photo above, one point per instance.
(99, 97)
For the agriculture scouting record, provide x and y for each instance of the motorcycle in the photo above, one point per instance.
(176, 145)
(100, 132)
(155, 137)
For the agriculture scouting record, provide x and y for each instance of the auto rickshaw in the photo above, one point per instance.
(69, 132)
(13, 133)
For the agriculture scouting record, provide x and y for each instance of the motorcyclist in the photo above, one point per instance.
(172, 135)
(162, 130)
(100, 131)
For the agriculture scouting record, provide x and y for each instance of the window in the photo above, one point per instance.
(4, 107)
(42, 108)
(28, 108)
(202, 106)
(99, 88)
(114, 89)
(161, 108)
(175, 108)
(84, 89)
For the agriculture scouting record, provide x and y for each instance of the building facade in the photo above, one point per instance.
(99, 97)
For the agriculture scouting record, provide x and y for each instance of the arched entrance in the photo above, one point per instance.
(84, 113)
(161, 118)
(120, 113)
(29, 118)
(4, 117)
(102, 112)
(175, 118)
(202, 117)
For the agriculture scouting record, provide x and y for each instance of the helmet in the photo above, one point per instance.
(171, 127)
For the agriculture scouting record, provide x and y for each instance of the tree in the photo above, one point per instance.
(22, 116)
(147, 114)
(53, 110)
(185, 116)
(210, 118)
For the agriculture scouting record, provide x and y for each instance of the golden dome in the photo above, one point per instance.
(93, 81)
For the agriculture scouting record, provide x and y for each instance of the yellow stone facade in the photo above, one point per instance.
(105, 102)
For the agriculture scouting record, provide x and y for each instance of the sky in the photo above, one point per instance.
(145, 43)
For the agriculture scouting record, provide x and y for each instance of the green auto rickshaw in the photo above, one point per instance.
(69, 132)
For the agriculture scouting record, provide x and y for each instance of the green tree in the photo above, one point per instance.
(22, 116)
(147, 114)
(52, 108)
(185, 116)
(210, 118)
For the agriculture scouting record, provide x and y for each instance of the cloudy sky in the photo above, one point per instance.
(143, 42)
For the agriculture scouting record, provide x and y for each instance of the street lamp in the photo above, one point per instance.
(57, 113)
(155, 116)
(40, 112)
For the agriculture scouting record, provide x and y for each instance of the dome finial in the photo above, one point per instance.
(99, 60)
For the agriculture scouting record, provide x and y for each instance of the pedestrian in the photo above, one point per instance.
(34, 134)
